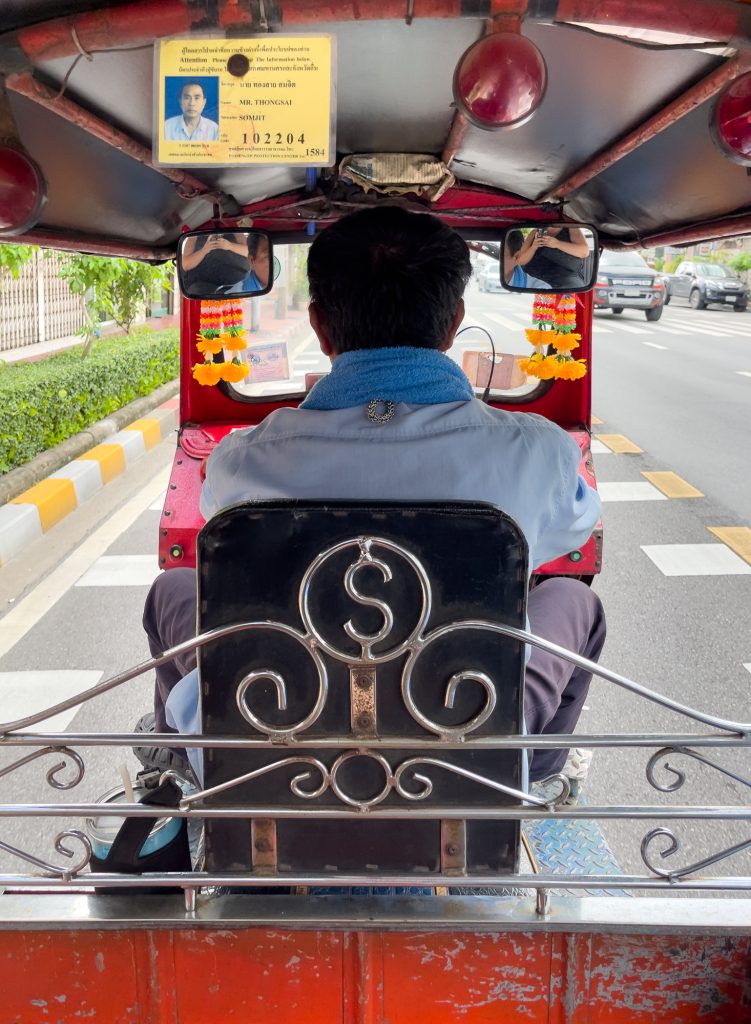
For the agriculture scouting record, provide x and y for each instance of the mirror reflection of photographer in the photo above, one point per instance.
(517, 252)
(211, 262)
(558, 255)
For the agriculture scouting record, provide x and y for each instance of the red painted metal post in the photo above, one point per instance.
(109, 28)
(101, 245)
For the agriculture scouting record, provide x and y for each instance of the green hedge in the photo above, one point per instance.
(45, 402)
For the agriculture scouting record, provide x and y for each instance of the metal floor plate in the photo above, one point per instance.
(572, 847)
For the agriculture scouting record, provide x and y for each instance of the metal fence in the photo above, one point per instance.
(38, 305)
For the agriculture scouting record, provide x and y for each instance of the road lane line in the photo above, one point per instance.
(502, 321)
(27, 691)
(695, 560)
(630, 490)
(631, 330)
(28, 612)
(672, 485)
(653, 344)
(736, 537)
(743, 373)
(595, 421)
(619, 444)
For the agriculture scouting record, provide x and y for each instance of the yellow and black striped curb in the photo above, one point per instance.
(29, 515)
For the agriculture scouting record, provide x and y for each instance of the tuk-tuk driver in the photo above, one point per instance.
(397, 419)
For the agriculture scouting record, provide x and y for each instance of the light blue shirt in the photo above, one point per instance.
(204, 131)
(465, 451)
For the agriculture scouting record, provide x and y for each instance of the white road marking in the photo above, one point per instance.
(696, 560)
(747, 666)
(598, 448)
(596, 329)
(744, 373)
(32, 608)
(121, 571)
(503, 321)
(158, 505)
(653, 344)
(712, 332)
(631, 330)
(630, 490)
(25, 693)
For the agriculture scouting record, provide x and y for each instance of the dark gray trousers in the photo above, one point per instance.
(564, 611)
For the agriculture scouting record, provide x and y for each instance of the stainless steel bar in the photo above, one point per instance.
(550, 742)
(200, 880)
(636, 812)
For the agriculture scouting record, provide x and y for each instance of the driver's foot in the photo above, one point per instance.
(161, 758)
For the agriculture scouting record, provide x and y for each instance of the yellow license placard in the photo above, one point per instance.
(262, 100)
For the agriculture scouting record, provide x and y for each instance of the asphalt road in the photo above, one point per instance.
(71, 606)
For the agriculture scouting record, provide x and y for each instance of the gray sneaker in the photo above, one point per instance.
(160, 758)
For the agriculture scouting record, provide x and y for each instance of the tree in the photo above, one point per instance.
(741, 261)
(111, 288)
(13, 257)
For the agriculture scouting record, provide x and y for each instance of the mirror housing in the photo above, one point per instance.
(557, 258)
(221, 262)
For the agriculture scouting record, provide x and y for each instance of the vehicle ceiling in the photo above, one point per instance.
(394, 94)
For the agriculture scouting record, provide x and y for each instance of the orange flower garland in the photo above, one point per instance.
(221, 328)
(554, 317)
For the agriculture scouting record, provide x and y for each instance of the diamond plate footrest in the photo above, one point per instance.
(572, 847)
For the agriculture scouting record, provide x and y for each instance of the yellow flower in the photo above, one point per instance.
(207, 373)
(234, 342)
(538, 337)
(546, 368)
(573, 369)
(212, 345)
(565, 342)
(233, 372)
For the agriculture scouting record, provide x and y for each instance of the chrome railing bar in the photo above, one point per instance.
(201, 880)
(515, 742)
(511, 813)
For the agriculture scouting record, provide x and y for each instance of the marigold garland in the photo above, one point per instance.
(554, 317)
(221, 327)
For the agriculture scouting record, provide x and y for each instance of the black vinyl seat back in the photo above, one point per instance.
(372, 635)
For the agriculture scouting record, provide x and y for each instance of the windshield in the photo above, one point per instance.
(622, 259)
(283, 357)
(712, 270)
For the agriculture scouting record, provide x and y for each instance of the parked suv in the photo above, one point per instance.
(625, 281)
(704, 283)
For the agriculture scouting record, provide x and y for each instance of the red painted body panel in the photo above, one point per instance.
(257, 975)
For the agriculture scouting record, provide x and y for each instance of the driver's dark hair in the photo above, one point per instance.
(187, 85)
(385, 277)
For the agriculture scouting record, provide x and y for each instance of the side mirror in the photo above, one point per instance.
(214, 264)
(556, 258)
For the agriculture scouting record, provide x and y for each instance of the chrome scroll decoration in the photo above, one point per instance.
(366, 558)
(673, 846)
(679, 777)
(66, 872)
(280, 733)
(53, 778)
(397, 780)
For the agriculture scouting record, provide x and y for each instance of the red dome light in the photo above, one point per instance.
(731, 120)
(500, 81)
(23, 191)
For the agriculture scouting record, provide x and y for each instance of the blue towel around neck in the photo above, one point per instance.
(418, 376)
